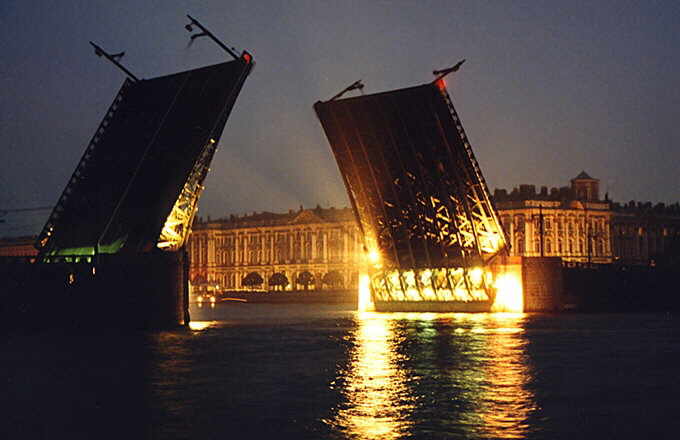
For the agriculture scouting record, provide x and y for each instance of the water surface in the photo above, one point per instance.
(300, 371)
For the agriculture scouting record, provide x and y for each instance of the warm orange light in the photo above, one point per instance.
(507, 401)
(509, 295)
(375, 387)
(200, 325)
(365, 303)
(374, 258)
(476, 275)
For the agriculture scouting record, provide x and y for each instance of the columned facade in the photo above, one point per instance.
(646, 234)
(317, 241)
(568, 222)
(576, 231)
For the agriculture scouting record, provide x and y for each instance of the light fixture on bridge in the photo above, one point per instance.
(114, 58)
(206, 33)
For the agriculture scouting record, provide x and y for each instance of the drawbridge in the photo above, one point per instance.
(430, 229)
(116, 235)
(138, 182)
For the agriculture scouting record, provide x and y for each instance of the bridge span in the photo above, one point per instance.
(112, 248)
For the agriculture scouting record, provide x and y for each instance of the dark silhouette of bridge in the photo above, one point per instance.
(137, 185)
(420, 198)
(118, 230)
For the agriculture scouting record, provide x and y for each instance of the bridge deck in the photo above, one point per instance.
(419, 196)
(139, 159)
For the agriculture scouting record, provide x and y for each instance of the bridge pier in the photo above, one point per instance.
(140, 291)
(541, 280)
(542, 284)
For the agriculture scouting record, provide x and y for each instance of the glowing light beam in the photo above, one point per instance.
(509, 294)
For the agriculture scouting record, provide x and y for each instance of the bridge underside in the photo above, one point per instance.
(137, 185)
(420, 199)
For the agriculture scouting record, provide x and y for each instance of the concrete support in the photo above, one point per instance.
(542, 283)
(145, 291)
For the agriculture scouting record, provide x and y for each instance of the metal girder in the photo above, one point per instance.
(440, 284)
(139, 179)
(178, 224)
(80, 171)
(418, 193)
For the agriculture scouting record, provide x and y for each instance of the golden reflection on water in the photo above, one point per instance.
(201, 325)
(375, 391)
(507, 401)
(487, 376)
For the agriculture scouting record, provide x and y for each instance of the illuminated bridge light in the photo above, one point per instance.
(433, 285)
(365, 301)
(509, 295)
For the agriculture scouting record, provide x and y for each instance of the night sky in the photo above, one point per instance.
(548, 89)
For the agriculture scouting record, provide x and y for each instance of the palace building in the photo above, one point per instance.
(311, 248)
(575, 224)
(569, 222)
(643, 233)
(325, 244)
(322, 248)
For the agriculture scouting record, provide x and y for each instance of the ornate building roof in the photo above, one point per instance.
(583, 176)
(265, 218)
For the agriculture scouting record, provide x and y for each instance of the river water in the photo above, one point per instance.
(326, 372)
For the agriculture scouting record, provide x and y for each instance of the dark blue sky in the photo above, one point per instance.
(548, 89)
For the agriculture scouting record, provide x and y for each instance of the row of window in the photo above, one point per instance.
(561, 247)
(640, 247)
(571, 223)
(630, 230)
(275, 247)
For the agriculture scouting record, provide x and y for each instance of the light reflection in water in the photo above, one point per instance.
(201, 325)
(507, 401)
(377, 397)
(466, 374)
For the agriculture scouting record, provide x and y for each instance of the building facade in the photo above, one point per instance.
(18, 247)
(569, 222)
(323, 244)
(643, 233)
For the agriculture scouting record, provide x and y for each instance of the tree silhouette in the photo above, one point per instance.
(252, 279)
(278, 280)
(305, 278)
(333, 279)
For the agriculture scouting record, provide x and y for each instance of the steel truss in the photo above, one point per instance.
(178, 224)
(418, 193)
(137, 185)
(81, 170)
